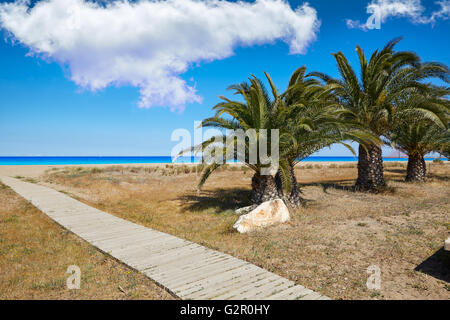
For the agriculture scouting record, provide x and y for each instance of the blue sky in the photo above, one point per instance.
(44, 112)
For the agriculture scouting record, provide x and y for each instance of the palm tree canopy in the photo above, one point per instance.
(312, 118)
(417, 132)
(256, 111)
(370, 99)
(306, 115)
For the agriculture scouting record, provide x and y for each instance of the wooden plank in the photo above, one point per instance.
(221, 282)
(264, 290)
(231, 281)
(294, 292)
(209, 270)
(248, 284)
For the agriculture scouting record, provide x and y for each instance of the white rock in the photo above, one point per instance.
(447, 244)
(266, 214)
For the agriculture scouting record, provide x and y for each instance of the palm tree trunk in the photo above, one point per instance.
(264, 188)
(417, 169)
(446, 154)
(293, 199)
(370, 169)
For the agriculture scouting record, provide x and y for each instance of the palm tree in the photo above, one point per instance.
(446, 152)
(370, 100)
(417, 139)
(256, 112)
(416, 135)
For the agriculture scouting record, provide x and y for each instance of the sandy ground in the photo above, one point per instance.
(34, 171)
(327, 246)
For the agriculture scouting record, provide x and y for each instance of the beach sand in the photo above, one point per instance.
(34, 171)
(326, 246)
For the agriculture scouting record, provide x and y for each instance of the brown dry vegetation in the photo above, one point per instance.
(35, 253)
(327, 246)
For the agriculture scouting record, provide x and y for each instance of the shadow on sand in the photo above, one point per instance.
(219, 200)
(437, 265)
(230, 199)
(438, 177)
(345, 184)
(399, 171)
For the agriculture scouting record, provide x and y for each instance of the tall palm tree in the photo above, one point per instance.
(417, 135)
(256, 112)
(370, 100)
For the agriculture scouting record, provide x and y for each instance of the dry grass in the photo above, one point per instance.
(327, 246)
(35, 253)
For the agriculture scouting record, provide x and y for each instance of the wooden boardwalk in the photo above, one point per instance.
(186, 269)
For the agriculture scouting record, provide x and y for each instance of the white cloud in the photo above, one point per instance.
(411, 9)
(149, 44)
(443, 13)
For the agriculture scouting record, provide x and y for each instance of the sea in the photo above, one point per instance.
(148, 159)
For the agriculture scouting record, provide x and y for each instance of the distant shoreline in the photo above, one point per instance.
(80, 160)
(35, 170)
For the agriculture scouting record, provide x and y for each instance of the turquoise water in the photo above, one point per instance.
(153, 159)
